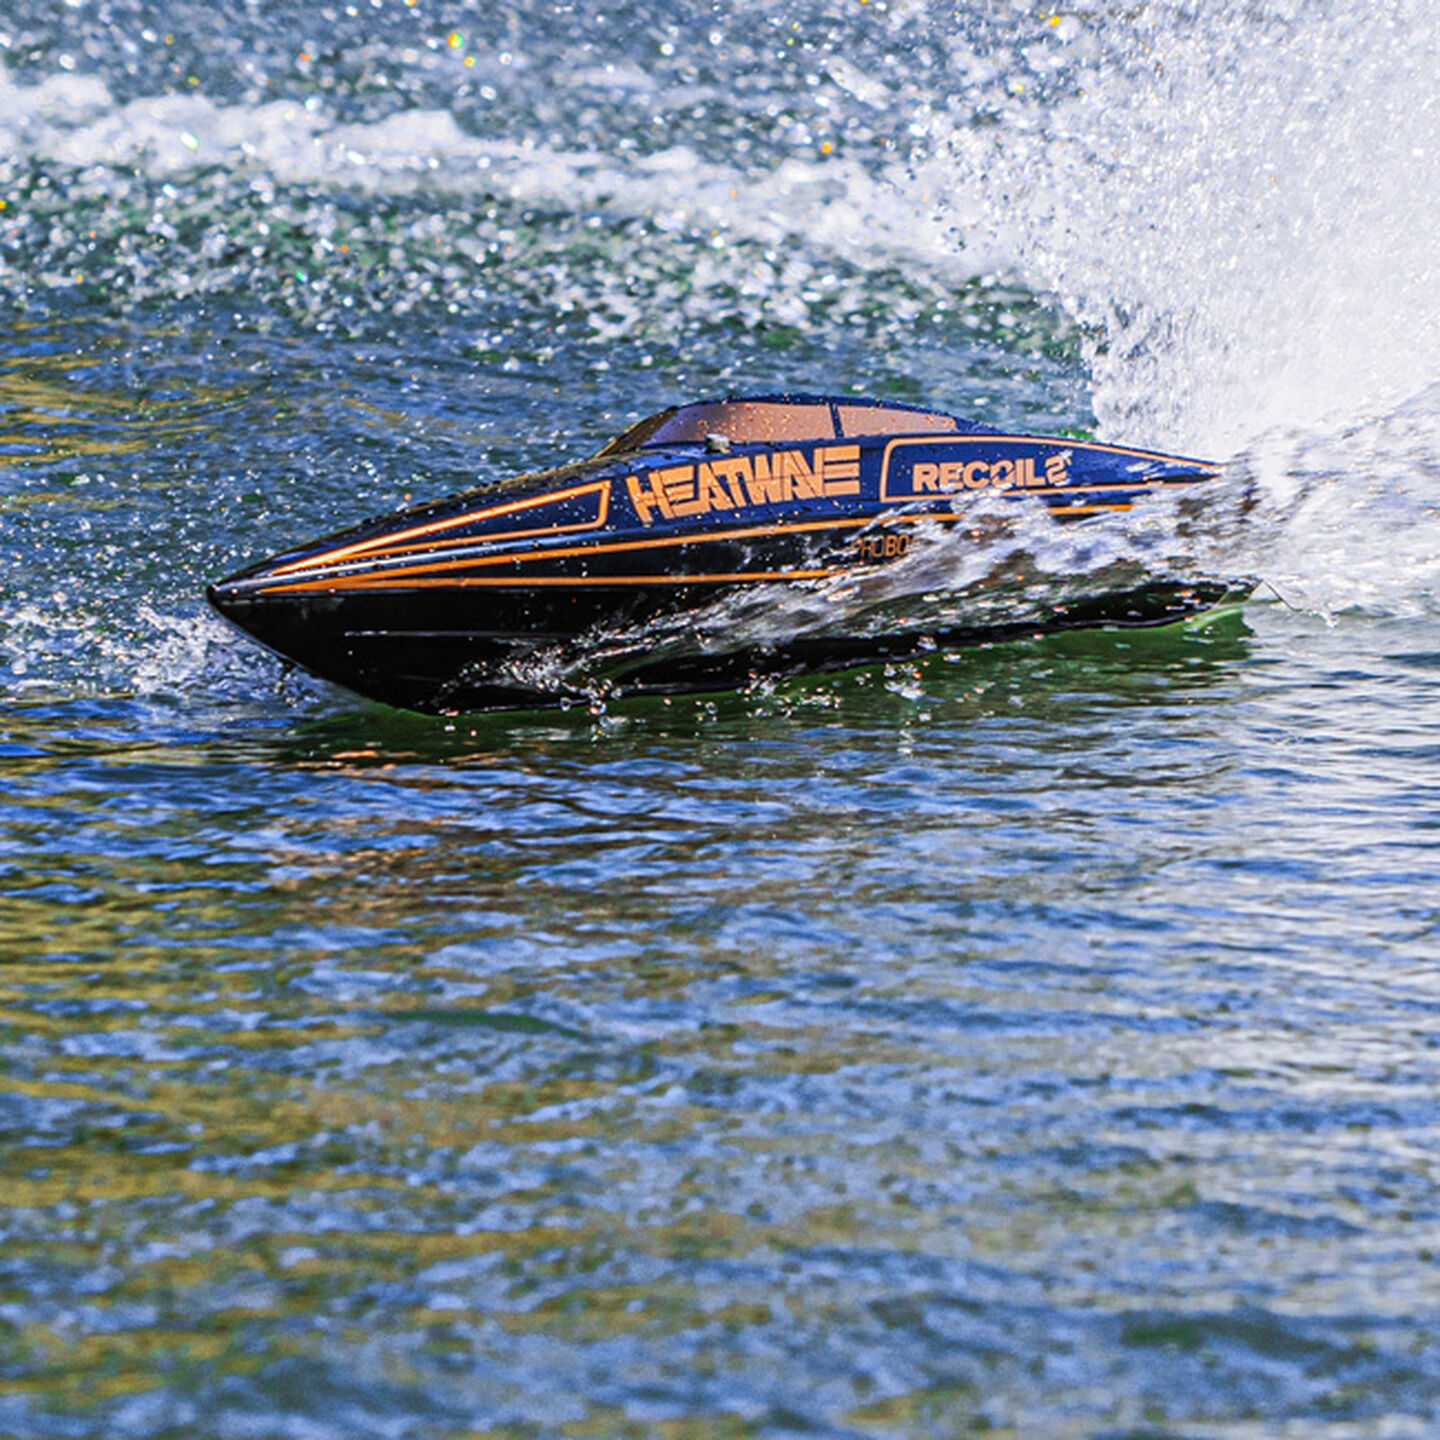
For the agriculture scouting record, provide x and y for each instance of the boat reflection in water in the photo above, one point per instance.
(623, 570)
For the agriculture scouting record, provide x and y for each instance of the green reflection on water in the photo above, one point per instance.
(52, 410)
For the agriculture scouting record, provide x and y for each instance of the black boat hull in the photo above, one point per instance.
(520, 651)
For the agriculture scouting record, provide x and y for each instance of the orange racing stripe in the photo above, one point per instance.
(669, 541)
(389, 542)
(525, 582)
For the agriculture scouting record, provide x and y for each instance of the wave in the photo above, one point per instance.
(73, 123)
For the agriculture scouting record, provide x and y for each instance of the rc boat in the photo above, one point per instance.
(617, 571)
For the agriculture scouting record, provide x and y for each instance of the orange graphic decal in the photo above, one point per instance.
(735, 482)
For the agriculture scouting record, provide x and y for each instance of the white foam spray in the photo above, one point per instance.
(1238, 203)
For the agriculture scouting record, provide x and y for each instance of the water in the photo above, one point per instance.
(1037, 1041)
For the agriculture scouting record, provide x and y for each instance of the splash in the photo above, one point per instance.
(1349, 522)
(56, 647)
(1237, 205)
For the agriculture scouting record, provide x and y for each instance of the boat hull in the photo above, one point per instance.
(516, 650)
(698, 564)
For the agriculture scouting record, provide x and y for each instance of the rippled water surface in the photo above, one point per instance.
(1036, 1041)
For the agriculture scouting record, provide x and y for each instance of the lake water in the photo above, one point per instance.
(1038, 1041)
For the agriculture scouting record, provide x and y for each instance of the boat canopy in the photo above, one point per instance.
(779, 419)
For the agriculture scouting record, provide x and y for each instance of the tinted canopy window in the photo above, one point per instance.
(877, 420)
(743, 422)
(776, 422)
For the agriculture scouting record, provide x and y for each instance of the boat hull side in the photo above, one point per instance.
(447, 654)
